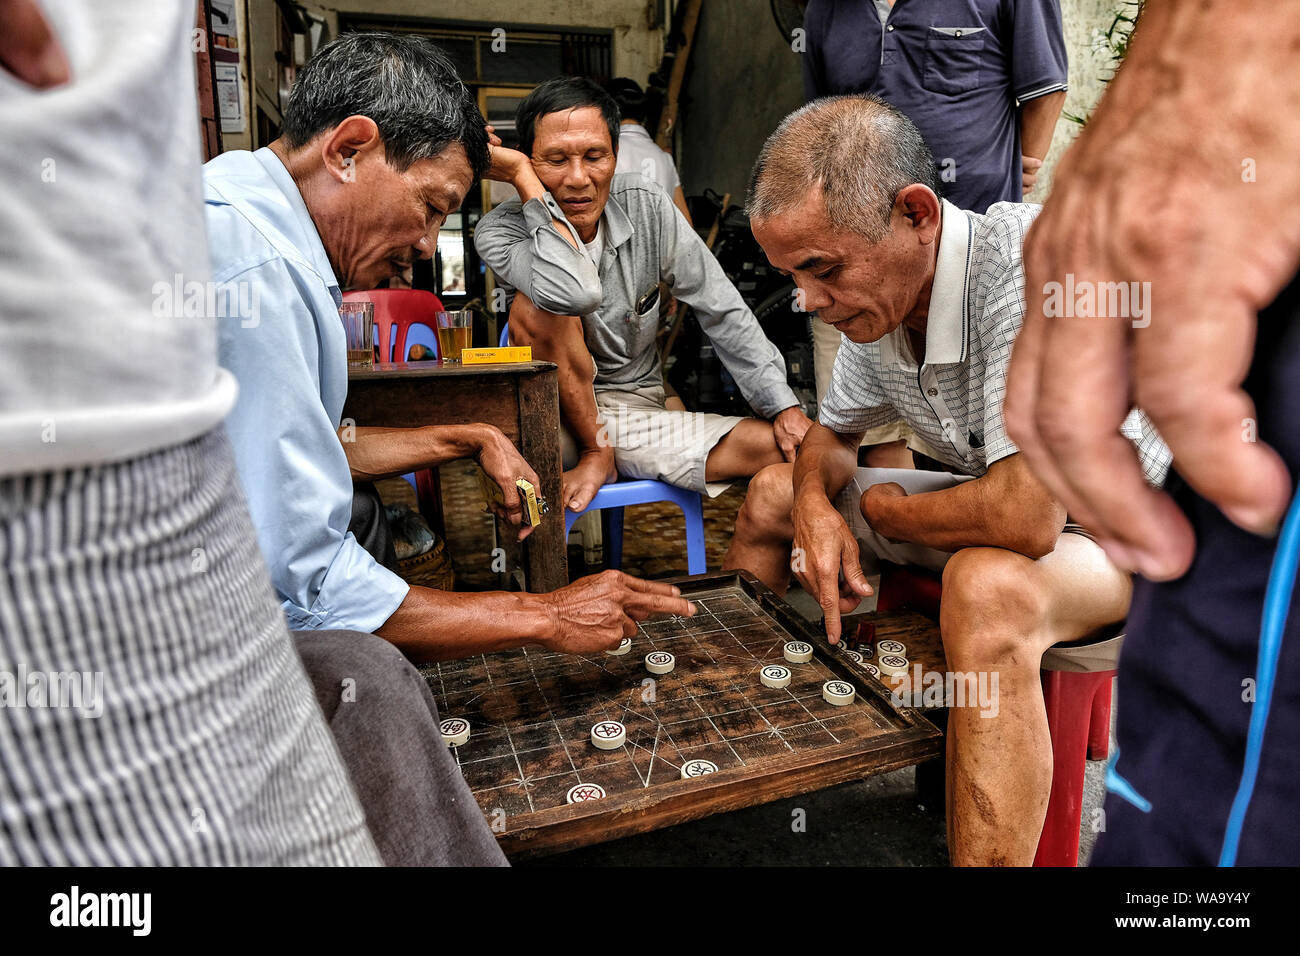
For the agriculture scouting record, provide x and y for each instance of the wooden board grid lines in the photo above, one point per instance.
(531, 713)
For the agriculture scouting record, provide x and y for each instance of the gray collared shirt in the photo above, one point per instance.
(647, 240)
(953, 399)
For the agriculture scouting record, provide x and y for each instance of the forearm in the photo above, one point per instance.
(972, 514)
(1038, 122)
(826, 462)
(375, 453)
(529, 187)
(432, 625)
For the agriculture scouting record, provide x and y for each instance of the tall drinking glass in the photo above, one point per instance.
(454, 331)
(359, 327)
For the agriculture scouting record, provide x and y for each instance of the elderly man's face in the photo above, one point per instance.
(574, 159)
(864, 289)
(389, 219)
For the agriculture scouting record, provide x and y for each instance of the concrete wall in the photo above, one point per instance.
(744, 79)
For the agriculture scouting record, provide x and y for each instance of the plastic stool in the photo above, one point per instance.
(617, 495)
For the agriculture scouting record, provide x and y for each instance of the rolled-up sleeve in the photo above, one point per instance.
(523, 246)
(695, 277)
(1039, 64)
(293, 468)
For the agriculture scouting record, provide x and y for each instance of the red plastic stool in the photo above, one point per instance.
(1076, 691)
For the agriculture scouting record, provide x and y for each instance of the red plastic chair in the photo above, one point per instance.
(1078, 709)
(396, 310)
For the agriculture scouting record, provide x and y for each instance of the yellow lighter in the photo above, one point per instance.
(533, 504)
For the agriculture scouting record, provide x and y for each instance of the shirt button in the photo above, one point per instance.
(932, 392)
(890, 28)
(957, 34)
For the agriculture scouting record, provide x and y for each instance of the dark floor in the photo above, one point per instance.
(880, 821)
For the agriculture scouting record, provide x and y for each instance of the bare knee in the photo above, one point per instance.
(994, 609)
(768, 502)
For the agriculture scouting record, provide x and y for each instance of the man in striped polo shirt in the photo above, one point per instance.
(928, 299)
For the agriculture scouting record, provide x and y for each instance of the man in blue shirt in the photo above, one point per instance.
(381, 142)
(983, 80)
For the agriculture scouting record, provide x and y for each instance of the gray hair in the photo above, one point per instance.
(404, 83)
(860, 150)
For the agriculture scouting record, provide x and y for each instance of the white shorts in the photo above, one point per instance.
(650, 441)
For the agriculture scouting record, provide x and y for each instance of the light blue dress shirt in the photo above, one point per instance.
(290, 359)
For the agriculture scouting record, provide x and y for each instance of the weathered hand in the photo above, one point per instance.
(596, 612)
(822, 548)
(1029, 167)
(501, 462)
(789, 427)
(1146, 200)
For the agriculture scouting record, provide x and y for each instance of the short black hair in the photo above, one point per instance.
(559, 94)
(629, 96)
(404, 83)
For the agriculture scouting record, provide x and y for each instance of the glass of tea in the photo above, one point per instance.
(359, 328)
(454, 330)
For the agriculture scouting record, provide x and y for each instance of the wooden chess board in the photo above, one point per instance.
(532, 711)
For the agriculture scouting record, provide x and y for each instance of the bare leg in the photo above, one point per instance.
(1000, 612)
(559, 339)
(746, 449)
(761, 543)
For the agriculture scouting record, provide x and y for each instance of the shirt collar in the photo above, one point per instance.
(947, 325)
(307, 242)
(618, 222)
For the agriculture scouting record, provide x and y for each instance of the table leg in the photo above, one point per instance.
(545, 559)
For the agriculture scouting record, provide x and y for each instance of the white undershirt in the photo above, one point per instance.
(596, 247)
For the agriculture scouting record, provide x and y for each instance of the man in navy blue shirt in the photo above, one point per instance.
(983, 80)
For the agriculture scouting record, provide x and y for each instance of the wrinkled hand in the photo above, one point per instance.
(872, 509)
(788, 428)
(1029, 166)
(1144, 197)
(506, 163)
(596, 612)
(822, 548)
(501, 462)
(28, 48)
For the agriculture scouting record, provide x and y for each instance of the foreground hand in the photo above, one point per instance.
(788, 428)
(28, 47)
(596, 612)
(1145, 198)
(822, 548)
(501, 462)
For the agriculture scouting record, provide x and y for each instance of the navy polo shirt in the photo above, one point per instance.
(957, 68)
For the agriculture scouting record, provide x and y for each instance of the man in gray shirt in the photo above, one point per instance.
(583, 251)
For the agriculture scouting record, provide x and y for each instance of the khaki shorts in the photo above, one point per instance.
(650, 441)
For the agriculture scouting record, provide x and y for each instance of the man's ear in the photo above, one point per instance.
(919, 206)
(348, 145)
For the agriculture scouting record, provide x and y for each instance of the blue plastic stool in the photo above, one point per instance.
(617, 495)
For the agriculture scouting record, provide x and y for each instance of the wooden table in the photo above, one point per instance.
(521, 399)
